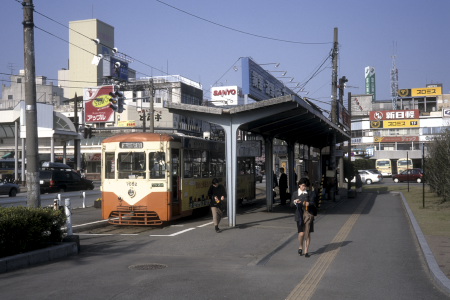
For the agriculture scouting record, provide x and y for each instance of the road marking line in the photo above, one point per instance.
(306, 288)
(173, 234)
(101, 221)
(200, 226)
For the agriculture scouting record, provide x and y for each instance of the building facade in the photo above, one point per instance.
(378, 132)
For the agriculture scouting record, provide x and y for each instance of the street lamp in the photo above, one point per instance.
(292, 78)
(276, 64)
(297, 85)
(284, 72)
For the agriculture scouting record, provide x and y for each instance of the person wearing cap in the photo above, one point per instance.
(217, 195)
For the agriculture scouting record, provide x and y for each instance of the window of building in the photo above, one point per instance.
(10, 97)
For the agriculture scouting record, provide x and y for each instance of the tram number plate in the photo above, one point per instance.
(157, 184)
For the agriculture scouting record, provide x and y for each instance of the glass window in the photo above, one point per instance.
(131, 165)
(196, 163)
(205, 164)
(157, 165)
(110, 165)
(187, 163)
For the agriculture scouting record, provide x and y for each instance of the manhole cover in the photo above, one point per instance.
(144, 267)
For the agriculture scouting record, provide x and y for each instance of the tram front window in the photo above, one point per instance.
(131, 165)
(157, 165)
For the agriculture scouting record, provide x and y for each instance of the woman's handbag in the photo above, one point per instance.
(312, 209)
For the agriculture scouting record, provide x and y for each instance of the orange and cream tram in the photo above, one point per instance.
(151, 178)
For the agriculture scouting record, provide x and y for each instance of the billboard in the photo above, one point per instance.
(115, 68)
(420, 92)
(370, 81)
(96, 104)
(394, 139)
(226, 95)
(259, 84)
(377, 115)
(410, 123)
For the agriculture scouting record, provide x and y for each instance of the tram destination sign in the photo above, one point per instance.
(131, 145)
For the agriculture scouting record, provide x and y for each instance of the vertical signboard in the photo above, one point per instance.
(370, 81)
(96, 104)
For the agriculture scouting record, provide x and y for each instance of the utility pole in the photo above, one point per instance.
(334, 111)
(334, 76)
(152, 113)
(76, 148)
(349, 104)
(31, 144)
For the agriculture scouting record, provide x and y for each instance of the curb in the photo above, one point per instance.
(438, 276)
(31, 258)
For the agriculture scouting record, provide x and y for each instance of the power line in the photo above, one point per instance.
(241, 31)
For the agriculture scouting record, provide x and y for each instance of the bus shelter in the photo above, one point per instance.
(287, 118)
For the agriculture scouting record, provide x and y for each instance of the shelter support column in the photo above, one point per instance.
(52, 149)
(268, 152)
(291, 167)
(231, 163)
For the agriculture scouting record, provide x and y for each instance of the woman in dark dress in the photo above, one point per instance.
(304, 215)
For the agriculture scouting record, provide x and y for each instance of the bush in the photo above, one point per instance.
(437, 176)
(24, 229)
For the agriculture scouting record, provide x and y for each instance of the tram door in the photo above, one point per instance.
(175, 173)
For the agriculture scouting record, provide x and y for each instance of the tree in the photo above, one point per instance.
(437, 176)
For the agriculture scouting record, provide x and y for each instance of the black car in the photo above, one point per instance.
(56, 177)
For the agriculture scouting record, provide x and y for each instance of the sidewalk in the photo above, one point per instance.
(262, 244)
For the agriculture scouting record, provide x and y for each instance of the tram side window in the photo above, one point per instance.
(187, 158)
(131, 165)
(157, 165)
(110, 165)
(217, 164)
(196, 163)
(205, 164)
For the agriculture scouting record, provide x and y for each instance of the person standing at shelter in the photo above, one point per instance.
(283, 184)
(275, 184)
(305, 210)
(217, 196)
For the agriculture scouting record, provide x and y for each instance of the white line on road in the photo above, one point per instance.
(173, 234)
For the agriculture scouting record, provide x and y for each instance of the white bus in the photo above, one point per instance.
(403, 164)
(384, 165)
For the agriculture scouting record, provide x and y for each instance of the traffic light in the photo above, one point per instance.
(87, 132)
(90, 135)
(117, 100)
(121, 101)
(158, 117)
(113, 101)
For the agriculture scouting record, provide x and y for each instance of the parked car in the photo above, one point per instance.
(369, 177)
(9, 188)
(375, 171)
(415, 174)
(58, 177)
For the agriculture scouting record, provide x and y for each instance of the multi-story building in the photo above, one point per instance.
(379, 132)
(46, 92)
(88, 70)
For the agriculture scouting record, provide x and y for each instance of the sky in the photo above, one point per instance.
(203, 40)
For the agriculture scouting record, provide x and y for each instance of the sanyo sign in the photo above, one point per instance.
(226, 95)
